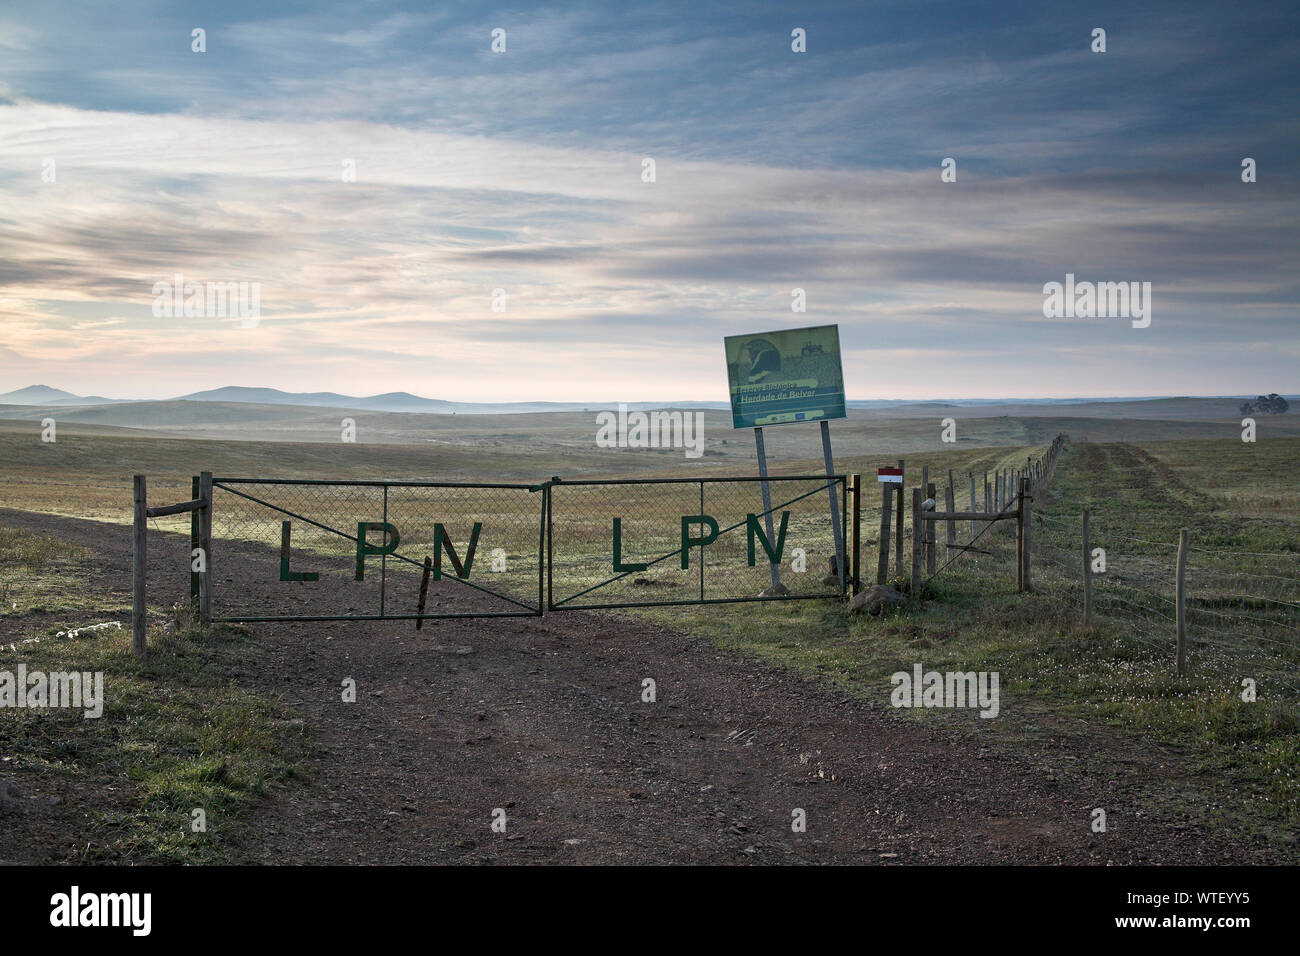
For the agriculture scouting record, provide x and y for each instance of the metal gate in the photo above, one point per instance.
(323, 550)
(649, 542)
(364, 546)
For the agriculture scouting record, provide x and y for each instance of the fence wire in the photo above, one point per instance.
(647, 564)
(325, 550)
(334, 570)
(1237, 607)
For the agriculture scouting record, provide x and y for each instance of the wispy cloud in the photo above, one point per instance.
(521, 171)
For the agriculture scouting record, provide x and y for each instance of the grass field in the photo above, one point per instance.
(188, 736)
(176, 732)
(1116, 677)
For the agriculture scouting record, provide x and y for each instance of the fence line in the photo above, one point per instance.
(1169, 591)
(1172, 589)
(1252, 554)
(1008, 495)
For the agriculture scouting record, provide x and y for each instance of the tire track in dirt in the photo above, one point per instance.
(1153, 481)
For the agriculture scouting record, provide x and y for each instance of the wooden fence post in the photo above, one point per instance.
(855, 503)
(194, 543)
(1020, 542)
(139, 565)
(950, 502)
(1184, 537)
(931, 533)
(918, 545)
(886, 510)
(925, 482)
(1027, 500)
(205, 545)
(1087, 573)
(988, 495)
(898, 532)
(926, 492)
(974, 525)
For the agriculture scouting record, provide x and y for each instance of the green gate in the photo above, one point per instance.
(283, 549)
(664, 541)
(372, 549)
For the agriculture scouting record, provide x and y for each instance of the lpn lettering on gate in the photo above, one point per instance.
(707, 525)
(753, 528)
(392, 538)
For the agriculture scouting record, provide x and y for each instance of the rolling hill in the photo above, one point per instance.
(45, 395)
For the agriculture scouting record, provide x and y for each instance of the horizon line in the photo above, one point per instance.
(676, 401)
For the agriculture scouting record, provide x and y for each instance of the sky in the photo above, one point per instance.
(126, 158)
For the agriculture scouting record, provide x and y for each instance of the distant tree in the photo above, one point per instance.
(1270, 404)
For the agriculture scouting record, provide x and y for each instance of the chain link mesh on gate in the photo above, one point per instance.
(250, 562)
(582, 571)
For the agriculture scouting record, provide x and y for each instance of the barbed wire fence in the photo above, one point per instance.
(979, 530)
(1235, 606)
(1236, 611)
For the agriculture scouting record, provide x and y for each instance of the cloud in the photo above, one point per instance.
(523, 172)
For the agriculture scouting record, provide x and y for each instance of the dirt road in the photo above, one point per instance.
(543, 718)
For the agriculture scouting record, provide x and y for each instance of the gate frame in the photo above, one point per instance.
(925, 517)
(824, 482)
(201, 507)
(419, 617)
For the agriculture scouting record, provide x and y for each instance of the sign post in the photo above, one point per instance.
(777, 587)
(898, 532)
(782, 377)
(888, 477)
(836, 528)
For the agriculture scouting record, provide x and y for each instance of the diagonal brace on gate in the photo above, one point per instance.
(556, 605)
(456, 563)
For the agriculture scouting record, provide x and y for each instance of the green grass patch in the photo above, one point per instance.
(177, 733)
